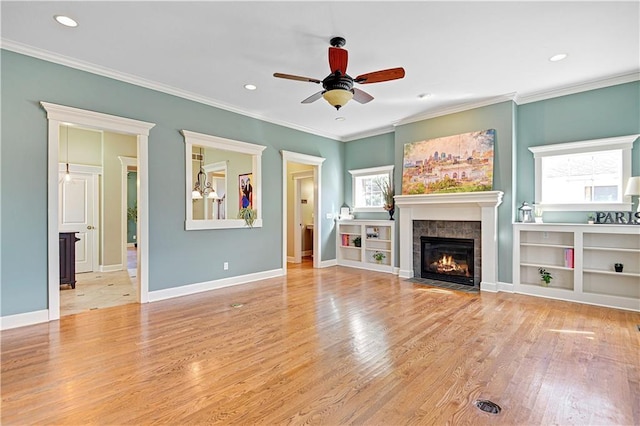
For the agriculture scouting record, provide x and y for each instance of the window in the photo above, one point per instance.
(365, 185)
(583, 176)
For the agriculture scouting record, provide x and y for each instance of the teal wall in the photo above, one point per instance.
(595, 114)
(176, 257)
(500, 117)
(374, 151)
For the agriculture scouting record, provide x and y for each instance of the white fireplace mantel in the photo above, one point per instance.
(472, 206)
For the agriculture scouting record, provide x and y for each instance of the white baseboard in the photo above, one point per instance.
(131, 245)
(111, 268)
(291, 259)
(506, 287)
(405, 274)
(21, 320)
(307, 253)
(328, 263)
(186, 290)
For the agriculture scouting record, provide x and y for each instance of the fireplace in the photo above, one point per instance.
(447, 259)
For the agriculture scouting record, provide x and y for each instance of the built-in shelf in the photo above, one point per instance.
(588, 276)
(356, 247)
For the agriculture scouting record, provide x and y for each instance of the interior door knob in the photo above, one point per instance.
(91, 227)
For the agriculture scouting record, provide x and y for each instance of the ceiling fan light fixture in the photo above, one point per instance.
(338, 97)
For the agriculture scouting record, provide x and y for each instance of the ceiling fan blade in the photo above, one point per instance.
(361, 96)
(296, 77)
(313, 97)
(379, 76)
(338, 59)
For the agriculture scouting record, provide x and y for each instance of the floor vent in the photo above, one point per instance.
(488, 406)
(236, 305)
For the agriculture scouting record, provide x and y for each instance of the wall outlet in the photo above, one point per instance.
(545, 235)
(225, 266)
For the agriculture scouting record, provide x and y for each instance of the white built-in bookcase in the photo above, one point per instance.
(590, 277)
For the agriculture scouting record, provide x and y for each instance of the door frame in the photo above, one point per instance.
(125, 163)
(95, 172)
(316, 162)
(64, 115)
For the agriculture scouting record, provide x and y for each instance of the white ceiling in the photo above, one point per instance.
(462, 52)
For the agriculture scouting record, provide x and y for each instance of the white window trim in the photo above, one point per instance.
(367, 172)
(625, 143)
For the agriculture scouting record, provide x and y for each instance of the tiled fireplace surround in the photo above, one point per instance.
(479, 207)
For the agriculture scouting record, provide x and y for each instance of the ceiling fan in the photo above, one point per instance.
(338, 86)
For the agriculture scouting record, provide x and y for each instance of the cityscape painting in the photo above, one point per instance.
(459, 163)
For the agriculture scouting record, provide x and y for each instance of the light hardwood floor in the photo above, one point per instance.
(331, 346)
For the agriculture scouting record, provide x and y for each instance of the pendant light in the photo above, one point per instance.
(201, 187)
(67, 175)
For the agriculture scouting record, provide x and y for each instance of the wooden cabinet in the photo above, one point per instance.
(581, 259)
(367, 244)
(68, 258)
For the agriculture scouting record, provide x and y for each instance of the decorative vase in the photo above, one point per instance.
(391, 213)
(543, 283)
(618, 267)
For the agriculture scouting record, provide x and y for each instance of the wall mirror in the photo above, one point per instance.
(222, 176)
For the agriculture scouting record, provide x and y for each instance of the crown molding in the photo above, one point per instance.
(368, 133)
(138, 81)
(55, 58)
(456, 108)
(578, 88)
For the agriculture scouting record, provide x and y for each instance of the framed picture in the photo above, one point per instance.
(245, 185)
(459, 163)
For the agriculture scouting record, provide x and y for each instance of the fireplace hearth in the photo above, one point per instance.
(447, 259)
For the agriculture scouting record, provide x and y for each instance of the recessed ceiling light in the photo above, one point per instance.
(340, 118)
(66, 21)
(558, 57)
(250, 86)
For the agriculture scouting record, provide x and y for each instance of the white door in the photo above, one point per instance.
(76, 214)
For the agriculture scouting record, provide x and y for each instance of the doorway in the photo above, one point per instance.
(57, 116)
(292, 161)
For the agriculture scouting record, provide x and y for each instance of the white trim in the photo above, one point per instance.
(457, 108)
(59, 115)
(22, 320)
(578, 88)
(316, 162)
(210, 141)
(370, 171)
(327, 263)
(605, 144)
(623, 143)
(149, 84)
(125, 163)
(111, 268)
(141, 82)
(189, 289)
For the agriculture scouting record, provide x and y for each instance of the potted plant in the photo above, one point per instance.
(357, 241)
(378, 256)
(387, 195)
(591, 218)
(249, 215)
(545, 277)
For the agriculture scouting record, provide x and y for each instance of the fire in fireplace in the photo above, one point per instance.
(447, 259)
